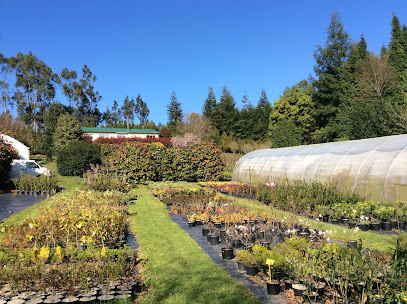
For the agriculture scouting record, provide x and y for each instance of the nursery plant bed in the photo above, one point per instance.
(215, 253)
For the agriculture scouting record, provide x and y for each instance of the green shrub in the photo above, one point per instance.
(77, 157)
(141, 162)
(100, 179)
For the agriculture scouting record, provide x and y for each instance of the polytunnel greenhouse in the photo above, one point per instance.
(375, 167)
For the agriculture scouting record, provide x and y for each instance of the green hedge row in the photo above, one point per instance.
(140, 162)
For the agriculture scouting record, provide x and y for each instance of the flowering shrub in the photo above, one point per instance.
(184, 141)
(7, 154)
(140, 162)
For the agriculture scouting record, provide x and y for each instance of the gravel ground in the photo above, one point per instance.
(214, 252)
(10, 205)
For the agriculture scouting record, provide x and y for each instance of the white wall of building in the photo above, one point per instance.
(22, 150)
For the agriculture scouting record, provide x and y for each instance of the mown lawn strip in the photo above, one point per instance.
(176, 268)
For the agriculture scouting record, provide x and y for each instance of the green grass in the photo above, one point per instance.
(176, 268)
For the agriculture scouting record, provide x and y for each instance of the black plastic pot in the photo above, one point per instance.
(241, 266)
(205, 231)
(191, 224)
(251, 270)
(352, 244)
(364, 227)
(375, 226)
(277, 275)
(214, 239)
(273, 288)
(299, 289)
(402, 225)
(325, 218)
(319, 288)
(352, 225)
(288, 284)
(227, 253)
(388, 226)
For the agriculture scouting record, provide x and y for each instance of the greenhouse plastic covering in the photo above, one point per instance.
(375, 167)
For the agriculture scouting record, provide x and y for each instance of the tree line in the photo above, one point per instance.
(354, 94)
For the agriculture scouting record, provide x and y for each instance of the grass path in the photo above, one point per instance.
(176, 268)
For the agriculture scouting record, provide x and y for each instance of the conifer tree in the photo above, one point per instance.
(174, 112)
(398, 57)
(333, 83)
(209, 107)
(226, 113)
(262, 117)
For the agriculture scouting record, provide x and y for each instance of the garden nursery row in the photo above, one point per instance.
(289, 254)
(322, 202)
(73, 251)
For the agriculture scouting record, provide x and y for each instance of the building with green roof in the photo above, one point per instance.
(95, 133)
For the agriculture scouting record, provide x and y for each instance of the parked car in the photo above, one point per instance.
(30, 167)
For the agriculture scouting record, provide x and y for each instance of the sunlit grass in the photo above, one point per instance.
(176, 268)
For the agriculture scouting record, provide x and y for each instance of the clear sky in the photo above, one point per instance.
(152, 48)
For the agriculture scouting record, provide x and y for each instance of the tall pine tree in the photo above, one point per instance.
(398, 58)
(174, 112)
(333, 82)
(226, 113)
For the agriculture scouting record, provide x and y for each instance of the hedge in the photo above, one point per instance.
(140, 162)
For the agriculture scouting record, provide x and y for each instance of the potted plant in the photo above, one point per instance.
(386, 213)
(273, 286)
(401, 214)
(249, 260)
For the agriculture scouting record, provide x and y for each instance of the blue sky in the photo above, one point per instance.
(153, 47)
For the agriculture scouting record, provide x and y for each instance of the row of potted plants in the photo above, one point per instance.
(324, 270)
(332, 271)
(28, 184)
(79, 238)
(326, 205)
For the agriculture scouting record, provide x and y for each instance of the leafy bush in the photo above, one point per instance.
(100, 179)
(33, 183)
(76, 158)
(143, 162)
(7, 154)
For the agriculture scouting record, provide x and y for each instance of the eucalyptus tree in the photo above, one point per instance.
(5, 74)
(128, 110)
(141, 110)
(35, 84)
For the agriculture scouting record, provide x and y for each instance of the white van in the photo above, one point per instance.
(19, 166)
